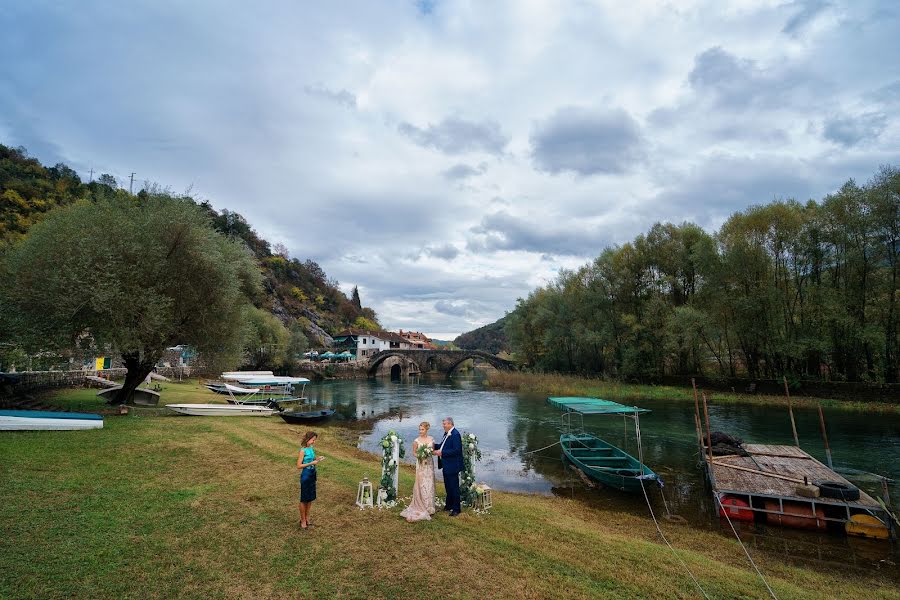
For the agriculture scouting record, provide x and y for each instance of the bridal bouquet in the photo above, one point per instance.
(424, 452)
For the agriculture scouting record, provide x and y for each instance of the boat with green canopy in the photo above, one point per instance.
(596, 458)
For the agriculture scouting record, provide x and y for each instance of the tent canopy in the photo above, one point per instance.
(593, 406)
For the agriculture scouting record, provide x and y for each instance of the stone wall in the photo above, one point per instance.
(13, 384)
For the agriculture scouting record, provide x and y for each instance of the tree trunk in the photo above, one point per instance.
(137, 371)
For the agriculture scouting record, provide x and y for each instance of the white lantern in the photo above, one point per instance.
(382, 497)
(364, 498)
(483, 500)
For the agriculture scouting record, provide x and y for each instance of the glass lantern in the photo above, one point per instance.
(364, 496)
(483, 500)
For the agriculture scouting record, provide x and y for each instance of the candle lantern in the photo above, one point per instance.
(382, 497)
(483, 500)
(364, 498)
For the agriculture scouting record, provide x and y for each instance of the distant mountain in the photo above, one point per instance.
(490, 338)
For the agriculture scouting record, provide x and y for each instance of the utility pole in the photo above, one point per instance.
(131, 184)
(92, 175)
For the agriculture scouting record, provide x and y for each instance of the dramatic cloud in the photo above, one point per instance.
(454, 135)
(587, 142)
(448, 157)
(849, 131)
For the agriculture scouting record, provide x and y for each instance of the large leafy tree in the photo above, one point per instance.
(135, 275)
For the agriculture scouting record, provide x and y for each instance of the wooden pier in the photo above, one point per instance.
(768, 480)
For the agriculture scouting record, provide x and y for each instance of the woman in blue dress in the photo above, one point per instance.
(307, 462)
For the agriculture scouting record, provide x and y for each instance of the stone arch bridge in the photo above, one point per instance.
(429, 361)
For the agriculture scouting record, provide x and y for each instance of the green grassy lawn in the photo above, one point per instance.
(156, 506)
(573, 385)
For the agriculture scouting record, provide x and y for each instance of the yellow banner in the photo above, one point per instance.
(98, 364)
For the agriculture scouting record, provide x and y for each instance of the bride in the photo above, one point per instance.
(422, 506)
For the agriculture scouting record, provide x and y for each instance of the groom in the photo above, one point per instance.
(449, 453)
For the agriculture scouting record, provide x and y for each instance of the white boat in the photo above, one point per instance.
(272, 380)
(39, 420)
(244, 374)
(221, 410)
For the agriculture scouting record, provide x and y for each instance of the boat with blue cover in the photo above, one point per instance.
(596, 458)
(41, 420)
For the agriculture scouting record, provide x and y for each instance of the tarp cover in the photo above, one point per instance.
(594, 406)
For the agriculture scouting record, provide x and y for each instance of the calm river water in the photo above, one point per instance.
(510, 426)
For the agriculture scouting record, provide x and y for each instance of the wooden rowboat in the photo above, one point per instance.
(312, 416)
(605, 463)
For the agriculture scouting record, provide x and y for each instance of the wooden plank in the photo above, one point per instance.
(758, 472)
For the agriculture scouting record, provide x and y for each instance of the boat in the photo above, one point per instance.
(39, 420)
(141, 396)
(301, 417)
(222, 410)
(605, 463)
(596, 458)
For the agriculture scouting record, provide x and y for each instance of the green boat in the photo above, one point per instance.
(605, 463)
(596, 458)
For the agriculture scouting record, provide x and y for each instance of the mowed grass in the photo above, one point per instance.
(205, 507)
(573, 385)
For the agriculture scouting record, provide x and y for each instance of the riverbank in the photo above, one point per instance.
(573, 385)
(162, 506)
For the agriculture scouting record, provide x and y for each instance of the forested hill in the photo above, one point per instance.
(490, 338)
(803, 290)
(298, 292)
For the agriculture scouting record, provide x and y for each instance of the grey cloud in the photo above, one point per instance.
(850, 131)
(502, 231)
(587, 142)
(455, 135)
(446, 251)
(738, 83)
(462, 171)
(452, 307)
(342, 96)
(807, 12)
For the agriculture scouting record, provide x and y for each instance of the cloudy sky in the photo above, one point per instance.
(448, 157)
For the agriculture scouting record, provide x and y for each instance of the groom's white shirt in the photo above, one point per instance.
(446, 437)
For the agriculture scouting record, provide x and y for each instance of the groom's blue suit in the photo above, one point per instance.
(451, 462)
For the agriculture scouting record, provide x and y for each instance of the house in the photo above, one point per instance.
(417, 340)
(366, 343)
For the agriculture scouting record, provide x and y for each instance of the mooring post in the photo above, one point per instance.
(791, 412)
(708, 434)
(697, 426)
(825, 437)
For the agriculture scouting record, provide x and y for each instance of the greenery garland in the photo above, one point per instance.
(471, 454)
(388, 464)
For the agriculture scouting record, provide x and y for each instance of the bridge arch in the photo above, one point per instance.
(435, 361)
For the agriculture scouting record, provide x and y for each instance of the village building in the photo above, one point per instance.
(417, 340)
(364, 343)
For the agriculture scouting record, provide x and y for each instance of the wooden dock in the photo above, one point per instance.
(768, 479)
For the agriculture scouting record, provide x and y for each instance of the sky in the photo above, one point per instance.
(449, 157)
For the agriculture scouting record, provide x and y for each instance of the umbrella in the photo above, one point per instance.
(328, 355)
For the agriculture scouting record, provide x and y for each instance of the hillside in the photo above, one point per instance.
(490, 338)
(297, 292)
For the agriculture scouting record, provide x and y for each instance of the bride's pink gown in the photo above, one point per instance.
(422, 505)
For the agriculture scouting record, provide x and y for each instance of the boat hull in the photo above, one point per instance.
(35, 420)
(221, 410)
(298, 418)
(604, 463)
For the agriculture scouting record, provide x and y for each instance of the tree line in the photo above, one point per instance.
(807, 291)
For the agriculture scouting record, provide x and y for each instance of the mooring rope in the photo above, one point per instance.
(541, 449)
(750, 558)
(653, 515)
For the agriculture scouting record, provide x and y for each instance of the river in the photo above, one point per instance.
(512, 425)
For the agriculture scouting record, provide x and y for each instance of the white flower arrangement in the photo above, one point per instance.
(471, 455)
(389, 465)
